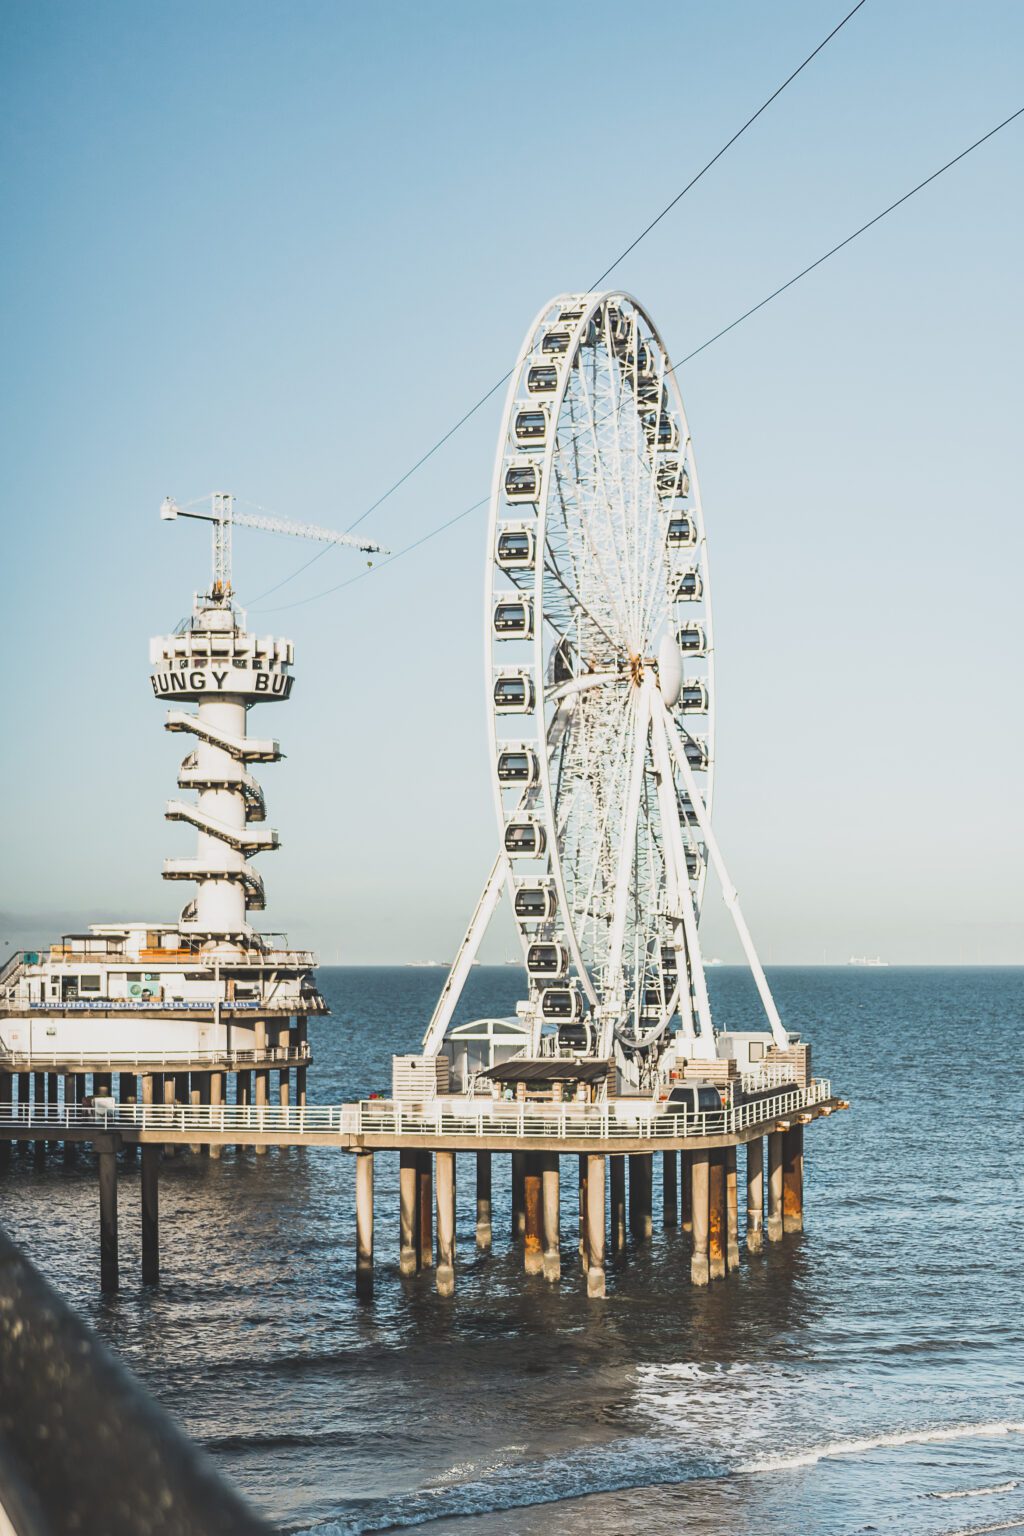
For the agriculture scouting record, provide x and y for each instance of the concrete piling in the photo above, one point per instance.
(755, 1195)
(550, 1200)
(595, 1225)
(793, 1179)
(670, 1189)
(533, 1245)
(686, 1191)
(774, 1223)
(732, 1215)
(518, 1207)
(582, 1180)
(150, 1176)
(716, 1216)
(70, 1103)
(446, 1223)
(407, 1212)
(364, 1224)
(700, 1178)
(216, 1100)
(483, 1201)
(617, 1173)
(641, 1191)
(425, 1209)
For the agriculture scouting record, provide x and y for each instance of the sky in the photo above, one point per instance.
(281, 249)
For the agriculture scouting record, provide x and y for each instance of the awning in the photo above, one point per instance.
(551, 1070)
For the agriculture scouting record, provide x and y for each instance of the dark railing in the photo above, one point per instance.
(83, 1448)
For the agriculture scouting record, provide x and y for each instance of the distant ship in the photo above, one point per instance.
(419, 964)
(864, 960)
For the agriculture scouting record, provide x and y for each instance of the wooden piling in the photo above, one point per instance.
(617, 1172)
(407, 1212)
(150, 1177)
(755, 1195)
(106, 1156)
(364, 1224)
(483, 1201)
(533, 1244)
(550, 1200)
(700, 1210)
(732, 1214)
(793, 1179)
(445, 1223)
(595, 1225)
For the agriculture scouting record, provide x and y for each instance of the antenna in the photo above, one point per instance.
(223, 517)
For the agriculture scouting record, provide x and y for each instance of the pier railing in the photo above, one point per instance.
(489, 1119)
(151, 1061)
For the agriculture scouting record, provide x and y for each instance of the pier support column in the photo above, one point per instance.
(262, 1085)
(483, 1201)
(518, 1206)
(617, 1171)
(670, 1189)
(70, 1103)
(38, 1106)
(425, 1209)
(407, 1212)
(446, 1223)
(216, 1100)
(533, 1245)
(364, 1224)
(170, 1148)
(195, 1099)
(595, 1224)
(774, 1224)
(686, 1191)
(755, 1195)
(732, 1213)
(793, 1179)
(106, 1154)
(716, 1215)
(699, 1182)
(51, 1100)
(300, 1087)
(641, 1192)
(550, 1196)
(150, 1213)
(582, 1182)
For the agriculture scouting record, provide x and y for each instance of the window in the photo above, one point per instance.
(89, 984)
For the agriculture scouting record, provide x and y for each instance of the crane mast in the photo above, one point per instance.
(224, 518)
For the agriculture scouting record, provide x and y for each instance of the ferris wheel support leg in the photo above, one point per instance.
(729, 891)
(463, 962)
(641, 726)
(701, 1047)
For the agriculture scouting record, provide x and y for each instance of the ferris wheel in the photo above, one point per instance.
(600, 691)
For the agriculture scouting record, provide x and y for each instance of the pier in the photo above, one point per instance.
(699, 1162)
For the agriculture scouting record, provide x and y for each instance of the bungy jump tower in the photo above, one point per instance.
(175, 1008)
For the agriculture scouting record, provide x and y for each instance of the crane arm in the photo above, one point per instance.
(302, 531)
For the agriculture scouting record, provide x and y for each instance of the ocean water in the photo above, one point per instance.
(866, 1376)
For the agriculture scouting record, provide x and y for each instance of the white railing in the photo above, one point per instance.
(26, 1061)
(375, 1117)
(495, 1118)
(776, 1075)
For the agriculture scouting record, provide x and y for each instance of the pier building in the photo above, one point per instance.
(205, 1008)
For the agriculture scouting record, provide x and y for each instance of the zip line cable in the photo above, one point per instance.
(595, 284)
(315, 596)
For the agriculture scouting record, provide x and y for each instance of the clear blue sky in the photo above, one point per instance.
(279, 249)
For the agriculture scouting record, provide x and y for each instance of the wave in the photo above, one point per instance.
(816, 1453)
(617, 1468)
(973, 1493)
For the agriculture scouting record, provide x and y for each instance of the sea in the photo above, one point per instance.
(864, 1376)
